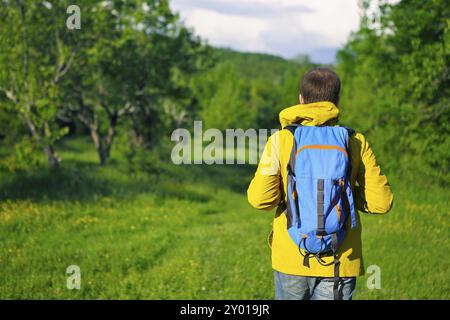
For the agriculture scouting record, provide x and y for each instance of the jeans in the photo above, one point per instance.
(291, 287)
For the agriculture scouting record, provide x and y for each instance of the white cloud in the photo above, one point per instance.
(282, 27)
(239, 32)
(251, 8)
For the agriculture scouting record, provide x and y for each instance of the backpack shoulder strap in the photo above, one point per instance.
(289, 211)
(349, 130)
(291, 164)
(291, 128)
(348, 197)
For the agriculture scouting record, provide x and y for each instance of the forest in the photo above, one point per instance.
(86, 117)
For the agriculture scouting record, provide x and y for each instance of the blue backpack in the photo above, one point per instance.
(319, 196)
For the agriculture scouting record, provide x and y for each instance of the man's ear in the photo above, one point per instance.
(300, 98)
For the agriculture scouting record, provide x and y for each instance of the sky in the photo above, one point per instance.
(286, 28)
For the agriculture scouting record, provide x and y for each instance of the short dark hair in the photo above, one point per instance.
(320, 84)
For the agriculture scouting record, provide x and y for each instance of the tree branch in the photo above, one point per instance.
(63, 68)
(108, 111)
(10, 95)
(126, 110)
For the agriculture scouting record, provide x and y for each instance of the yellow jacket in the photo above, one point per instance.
(371, 190)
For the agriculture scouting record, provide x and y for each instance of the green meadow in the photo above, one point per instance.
(186, 232)
(86, 123)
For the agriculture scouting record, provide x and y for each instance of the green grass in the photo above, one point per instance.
(186, 232)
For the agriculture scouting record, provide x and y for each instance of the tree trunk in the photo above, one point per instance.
(104, 151)
(52, 157)
(103, 144)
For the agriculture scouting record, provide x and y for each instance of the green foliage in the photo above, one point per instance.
(11, 128)
(137, 156)
(130, 58)
(396, 84)
(34, 57)
(223, 98)
(246, 90)
(138, 66)
(24, 157)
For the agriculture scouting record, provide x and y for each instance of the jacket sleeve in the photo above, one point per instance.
(264, 191)
(373, 193)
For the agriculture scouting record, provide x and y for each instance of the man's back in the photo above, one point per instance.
(372, 193)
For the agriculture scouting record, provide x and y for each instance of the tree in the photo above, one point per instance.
(247, 90)
(36, 54)
(133, 58)
(396, 85)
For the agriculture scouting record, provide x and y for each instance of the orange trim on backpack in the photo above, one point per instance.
(338, 211)
(326, 147)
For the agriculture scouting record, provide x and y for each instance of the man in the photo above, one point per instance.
(372, 194)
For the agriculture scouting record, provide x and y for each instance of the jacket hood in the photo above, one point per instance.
(310, 114)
